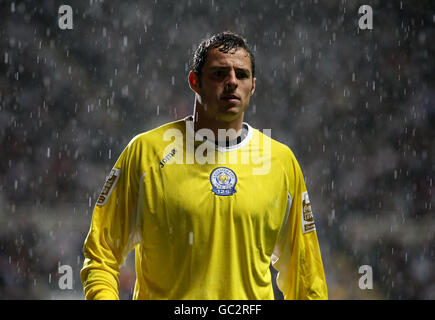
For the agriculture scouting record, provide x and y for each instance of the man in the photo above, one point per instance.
(207, 202)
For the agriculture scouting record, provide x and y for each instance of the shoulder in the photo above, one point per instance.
(280, 152)
(156, 138)
(146, 147)
(156, 135)
(279, 149)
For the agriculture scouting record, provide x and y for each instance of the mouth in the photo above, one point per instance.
(231, 98)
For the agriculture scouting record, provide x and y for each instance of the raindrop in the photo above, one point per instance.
(124, 91)
(190, 238)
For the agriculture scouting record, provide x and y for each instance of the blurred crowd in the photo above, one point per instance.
(357, 107)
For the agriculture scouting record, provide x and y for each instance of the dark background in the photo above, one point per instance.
(355, 106)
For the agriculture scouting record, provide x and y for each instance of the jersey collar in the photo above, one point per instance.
(244, 141)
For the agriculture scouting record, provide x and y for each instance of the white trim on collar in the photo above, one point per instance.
(241, 144)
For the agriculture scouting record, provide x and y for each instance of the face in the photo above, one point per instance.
(226, 84)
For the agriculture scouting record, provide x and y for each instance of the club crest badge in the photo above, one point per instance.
(223, 181)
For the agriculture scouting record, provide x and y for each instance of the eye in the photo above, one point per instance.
(219, 73)
(242, 75)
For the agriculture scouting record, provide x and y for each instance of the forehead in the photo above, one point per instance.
(237, 57)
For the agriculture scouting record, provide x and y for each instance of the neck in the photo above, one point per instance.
(232, 129)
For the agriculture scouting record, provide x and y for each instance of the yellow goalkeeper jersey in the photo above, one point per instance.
(205, 221)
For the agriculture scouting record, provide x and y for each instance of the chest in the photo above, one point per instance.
(199, 194)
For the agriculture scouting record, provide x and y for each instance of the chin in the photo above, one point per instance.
(228, 116)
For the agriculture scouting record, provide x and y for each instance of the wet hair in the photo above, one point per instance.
(225, 42)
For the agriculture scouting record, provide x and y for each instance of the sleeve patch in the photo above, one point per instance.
(108, 186)
(307, 215)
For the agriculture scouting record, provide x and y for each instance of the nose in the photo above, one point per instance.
(231, 83)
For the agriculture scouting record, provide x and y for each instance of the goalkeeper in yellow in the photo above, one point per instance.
(207, 202)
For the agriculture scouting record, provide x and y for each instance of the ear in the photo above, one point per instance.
(193, 81)
(253, 85)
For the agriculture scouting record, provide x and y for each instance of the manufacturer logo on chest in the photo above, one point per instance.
(168, 157)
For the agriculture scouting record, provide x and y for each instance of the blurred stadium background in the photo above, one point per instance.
(356, 107)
